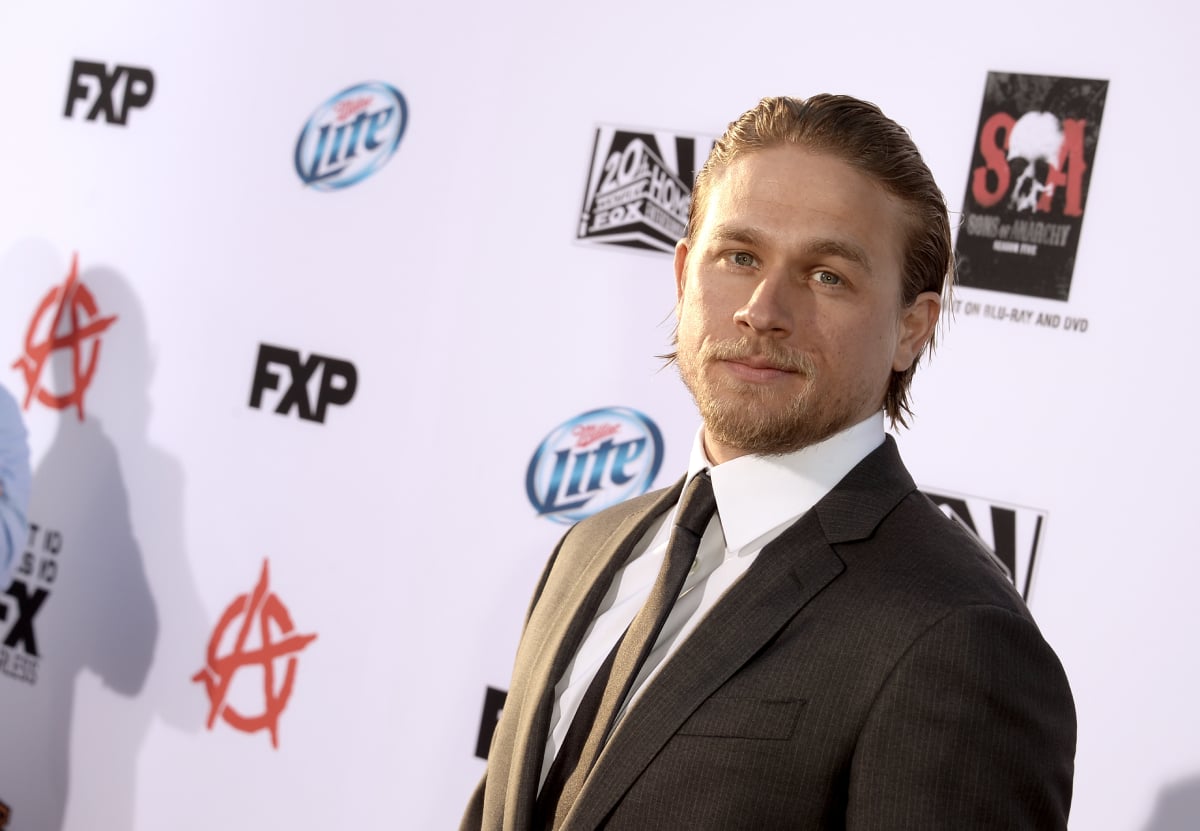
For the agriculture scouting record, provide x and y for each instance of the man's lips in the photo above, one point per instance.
(755, 369)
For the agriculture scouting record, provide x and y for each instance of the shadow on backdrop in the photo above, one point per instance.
(1177, 808)
(120, 622)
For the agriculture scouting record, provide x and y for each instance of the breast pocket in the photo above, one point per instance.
(745, 718)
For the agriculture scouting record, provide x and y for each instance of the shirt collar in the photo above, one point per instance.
(758, 494)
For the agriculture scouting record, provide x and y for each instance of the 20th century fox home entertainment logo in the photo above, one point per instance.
(639, 187)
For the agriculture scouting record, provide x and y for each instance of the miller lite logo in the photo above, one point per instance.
(351, 136)
(639, 188)
(1011, 533)
(592, 462)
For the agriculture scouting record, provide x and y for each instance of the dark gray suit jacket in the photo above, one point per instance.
(872, 670)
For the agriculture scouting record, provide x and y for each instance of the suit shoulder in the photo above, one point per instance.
(927, 556)
(606, 522)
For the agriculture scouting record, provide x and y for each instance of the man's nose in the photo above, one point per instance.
(769, 310)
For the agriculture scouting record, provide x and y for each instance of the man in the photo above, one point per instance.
(840, 655)
(15, 480)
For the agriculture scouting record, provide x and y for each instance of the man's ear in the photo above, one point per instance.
(681, 253)
(917, 322)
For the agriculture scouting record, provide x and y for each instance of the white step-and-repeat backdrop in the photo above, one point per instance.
(326, 320)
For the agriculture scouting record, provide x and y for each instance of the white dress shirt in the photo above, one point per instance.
(758, 498)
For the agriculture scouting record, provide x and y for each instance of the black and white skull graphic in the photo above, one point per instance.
(1033, 148)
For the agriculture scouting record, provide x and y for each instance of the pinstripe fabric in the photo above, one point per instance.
(612, 683)
(872, 670)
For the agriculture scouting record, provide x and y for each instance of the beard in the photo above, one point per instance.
(758, 418)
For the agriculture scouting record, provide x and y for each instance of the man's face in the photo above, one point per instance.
(790, 313)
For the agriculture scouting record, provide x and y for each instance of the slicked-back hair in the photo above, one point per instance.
(858, 133)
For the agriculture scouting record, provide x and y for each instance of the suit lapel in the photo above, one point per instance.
(868, 493)
(555, 629)
(781, 581)
(787, 574)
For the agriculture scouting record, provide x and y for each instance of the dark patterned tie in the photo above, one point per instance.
(600, 704)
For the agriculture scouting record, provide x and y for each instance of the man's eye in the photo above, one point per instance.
(828, 278)
(741, 258)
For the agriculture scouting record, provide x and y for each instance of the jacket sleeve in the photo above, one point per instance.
(974, 728)
(473, 814)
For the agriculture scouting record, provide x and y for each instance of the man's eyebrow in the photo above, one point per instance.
(823, 246)
(839, 248)
(737, 233)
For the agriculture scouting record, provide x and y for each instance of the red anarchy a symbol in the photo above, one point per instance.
(73, 301)
(263, 606)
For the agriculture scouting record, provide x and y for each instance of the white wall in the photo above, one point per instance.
(452, 280)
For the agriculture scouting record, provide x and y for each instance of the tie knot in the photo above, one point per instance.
(698, 504)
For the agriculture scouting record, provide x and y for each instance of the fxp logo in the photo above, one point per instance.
(593, 461)
(339, 380)
(108, 94)
(351, 136)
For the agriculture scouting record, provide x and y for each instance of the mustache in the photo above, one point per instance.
(773, 353)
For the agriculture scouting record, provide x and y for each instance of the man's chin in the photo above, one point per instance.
(745, 426)
(781, 399)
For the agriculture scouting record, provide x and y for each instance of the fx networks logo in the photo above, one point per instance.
(109, 94)
(338, 381)
(639, 188)
(237, 644)
(595, 460)
(1028, 185)
(1011, 533)
(68, 318)
(20, 604)
(351, 136)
